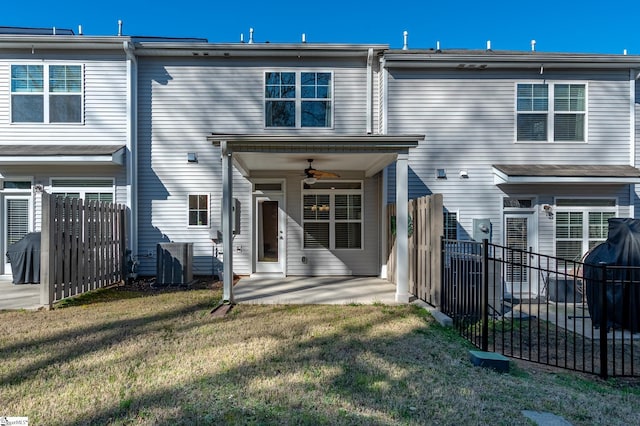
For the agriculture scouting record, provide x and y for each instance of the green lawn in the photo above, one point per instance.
(138, 358)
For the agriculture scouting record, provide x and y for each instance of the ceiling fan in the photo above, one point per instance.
(312, 175)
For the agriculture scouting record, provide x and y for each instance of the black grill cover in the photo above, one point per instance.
(24, 256)
(622, 248)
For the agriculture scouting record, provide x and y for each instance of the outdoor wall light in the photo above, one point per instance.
(463, 174)
(548, 210)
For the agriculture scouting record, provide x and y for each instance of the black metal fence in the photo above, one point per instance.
(543, 309)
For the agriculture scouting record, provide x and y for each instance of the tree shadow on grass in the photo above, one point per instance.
(331, 379)
(359, 392)
(84, 340)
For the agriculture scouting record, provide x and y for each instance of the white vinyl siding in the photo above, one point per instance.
(469, 124)
(224, 95)
(104, 107)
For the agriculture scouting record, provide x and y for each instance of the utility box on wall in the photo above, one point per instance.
(174, 264)
(481, 229)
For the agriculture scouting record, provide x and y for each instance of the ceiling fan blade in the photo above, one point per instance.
(321, 174)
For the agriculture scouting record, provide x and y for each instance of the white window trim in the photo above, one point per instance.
(585, 210)
(208, 225)
(332, 220)
(82, 190)
(255, 191)
(15, 179)
(46, 93)
(298, 99)
(551, 110)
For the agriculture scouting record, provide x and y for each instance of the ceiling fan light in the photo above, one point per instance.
(310, 180)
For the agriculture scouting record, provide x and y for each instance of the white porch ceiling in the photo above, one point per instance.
(367, 163)
(365, 154)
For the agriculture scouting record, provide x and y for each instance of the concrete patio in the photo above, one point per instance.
(255, 290)
(314, 290)
(18, 296)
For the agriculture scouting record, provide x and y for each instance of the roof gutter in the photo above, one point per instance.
(510, 61)
(230, 50)
(58, 42)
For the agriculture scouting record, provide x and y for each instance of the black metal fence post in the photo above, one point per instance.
(604, 361)
(443, 283)
(485, 295)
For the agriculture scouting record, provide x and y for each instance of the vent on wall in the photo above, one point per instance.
(174, 264)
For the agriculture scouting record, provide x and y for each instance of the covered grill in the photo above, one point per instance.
(24, 256)
(621, 253)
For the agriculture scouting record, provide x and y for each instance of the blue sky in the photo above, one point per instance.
(557, 26)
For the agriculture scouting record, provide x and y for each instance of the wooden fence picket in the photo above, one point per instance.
(425, 229)
(82, 246)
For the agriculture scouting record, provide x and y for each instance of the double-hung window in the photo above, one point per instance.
(198, 210)
(581, 224)
(551, 112)
(46, 93)
(298, 99)
(332, 216)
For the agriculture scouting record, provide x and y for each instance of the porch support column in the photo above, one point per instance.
(402, 228)
(227, 223)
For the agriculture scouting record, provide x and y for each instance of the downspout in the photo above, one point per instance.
(132, 145)
(384, 98)
(370, 91)
(385, 177)
(633, 75)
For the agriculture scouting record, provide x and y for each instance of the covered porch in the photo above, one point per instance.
(350, 158)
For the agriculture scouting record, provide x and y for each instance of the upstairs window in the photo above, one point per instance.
(298, 99)
(46, 94)
(551, 112)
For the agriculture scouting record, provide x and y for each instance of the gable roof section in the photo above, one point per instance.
(564, 173)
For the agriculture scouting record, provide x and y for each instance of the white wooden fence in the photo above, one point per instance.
(82, 247)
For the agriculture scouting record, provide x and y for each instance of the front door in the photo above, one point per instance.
(520, 238)
(17, 211)
(270, 225)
